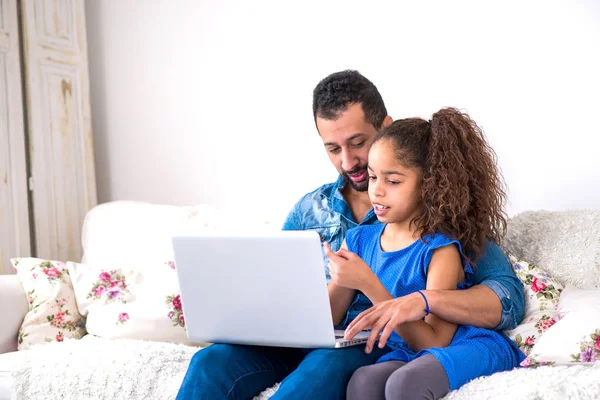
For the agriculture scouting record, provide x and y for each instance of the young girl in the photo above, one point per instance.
(436, 189)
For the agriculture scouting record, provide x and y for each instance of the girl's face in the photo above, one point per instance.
(394, 189)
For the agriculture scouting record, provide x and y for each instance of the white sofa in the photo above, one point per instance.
(128, 230)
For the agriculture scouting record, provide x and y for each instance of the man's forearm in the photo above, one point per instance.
(478, 306)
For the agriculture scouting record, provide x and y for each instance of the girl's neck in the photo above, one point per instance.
(397, 236)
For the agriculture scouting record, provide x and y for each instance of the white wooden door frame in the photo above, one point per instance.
(59, 124)
(14, 207)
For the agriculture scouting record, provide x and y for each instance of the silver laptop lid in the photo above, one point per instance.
(259, 289)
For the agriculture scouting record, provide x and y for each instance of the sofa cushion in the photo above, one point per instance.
(542, 293)
(565, 243)
(574, 299)
(13, 309)
(53, 314)
(134, 233)
(139, 233)
(575, 338)
(130, 304)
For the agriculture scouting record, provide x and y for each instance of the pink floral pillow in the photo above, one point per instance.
(139, 303)
(542, 293)
(173, 302)
(575, 338)
(175, 310)
(53, 314)
(109, 286)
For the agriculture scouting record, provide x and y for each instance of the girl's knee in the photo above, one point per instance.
(360, 379)
(399, 383)
(361, 384)
(419, 379)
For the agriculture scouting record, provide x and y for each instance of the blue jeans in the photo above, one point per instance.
(224, 371)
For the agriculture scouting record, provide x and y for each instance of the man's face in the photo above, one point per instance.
(347, 140)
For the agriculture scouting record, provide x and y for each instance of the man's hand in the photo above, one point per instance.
(384, 317)
(348, 270)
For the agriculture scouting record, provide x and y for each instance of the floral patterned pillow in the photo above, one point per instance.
(53, 314)
(542, 293)
(574, 299)
(575, 338)
(139, 304)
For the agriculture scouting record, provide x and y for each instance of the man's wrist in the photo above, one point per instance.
(433, 299)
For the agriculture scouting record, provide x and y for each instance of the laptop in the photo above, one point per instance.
(265, 289)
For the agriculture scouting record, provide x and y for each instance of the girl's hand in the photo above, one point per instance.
(385, 317)
(348, 270)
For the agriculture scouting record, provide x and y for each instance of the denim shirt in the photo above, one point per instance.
(325, 210)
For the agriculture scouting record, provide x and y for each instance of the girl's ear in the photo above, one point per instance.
(387, 121)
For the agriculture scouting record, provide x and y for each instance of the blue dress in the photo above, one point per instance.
(474, 352)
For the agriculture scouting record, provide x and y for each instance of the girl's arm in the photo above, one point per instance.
(494, 302)
(339, 297)
(350, 273)
(444, 272)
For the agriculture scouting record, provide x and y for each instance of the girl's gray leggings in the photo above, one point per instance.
(423, 378)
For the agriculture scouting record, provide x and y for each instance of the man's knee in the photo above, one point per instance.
(209, 359)
(351, 357)
(331, 358)
(200, 378)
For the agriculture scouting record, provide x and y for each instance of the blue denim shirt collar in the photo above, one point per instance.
(338, 204)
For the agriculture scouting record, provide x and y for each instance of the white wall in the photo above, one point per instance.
(210, 101)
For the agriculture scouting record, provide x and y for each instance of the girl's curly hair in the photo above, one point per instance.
(463, 191)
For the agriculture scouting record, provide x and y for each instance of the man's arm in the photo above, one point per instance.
(495, 302)
(477, 306)
(497, 298)
(292, 222)
(444, 272)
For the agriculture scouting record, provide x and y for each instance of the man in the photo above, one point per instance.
(348, 110)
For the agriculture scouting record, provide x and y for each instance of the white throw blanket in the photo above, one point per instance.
(542, 383)
(94, 368)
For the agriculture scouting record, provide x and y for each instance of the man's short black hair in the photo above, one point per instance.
(338, 91)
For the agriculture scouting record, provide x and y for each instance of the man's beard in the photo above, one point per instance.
(358, 186)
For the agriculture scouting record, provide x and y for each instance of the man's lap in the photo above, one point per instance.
(236, 371)
(325, 373)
